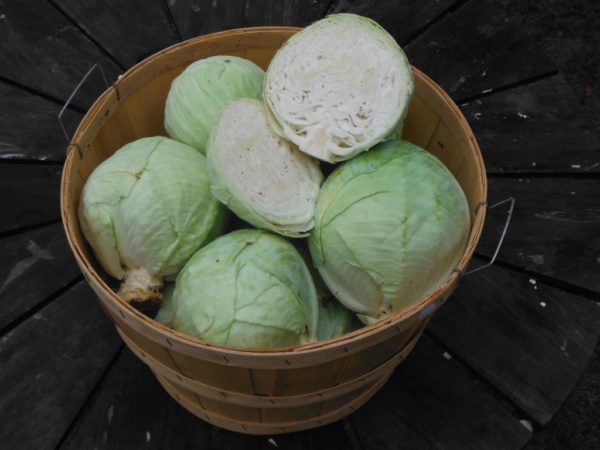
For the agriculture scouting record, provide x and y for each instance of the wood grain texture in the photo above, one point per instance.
(128, 30)
(475, 49)
(402, 19)
(130, 410)
(33, 265)
(29, 194)
(283, 12)
(50, 363)
(197, 17)
(42, 50)
(530, 340)
(434, 402)
(538, 127)
(554, 229)
(34, 132)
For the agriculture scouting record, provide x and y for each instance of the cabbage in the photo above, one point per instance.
(146, 210)
(165, 313)
(390, 226)
(248, 288)
(202, 89)
(334, 320)
(261, 177)
(338, 87)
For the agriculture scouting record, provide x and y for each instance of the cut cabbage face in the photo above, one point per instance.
(260, 176)
(338, 87)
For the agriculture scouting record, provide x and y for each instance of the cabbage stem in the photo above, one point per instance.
(140, 285)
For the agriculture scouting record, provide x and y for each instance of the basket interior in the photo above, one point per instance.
(134, 108)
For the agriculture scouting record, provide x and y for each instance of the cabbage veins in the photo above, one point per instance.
(390, 226)
(146, 210)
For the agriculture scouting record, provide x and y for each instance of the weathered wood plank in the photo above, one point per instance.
(28, 195)
(475, 49)
(538, 127)
(34, 133)
(197, 17)
(33, 265)
(290, 12)
(554, 229)
(42, 50)
(530, 340)
(434, 402)
(50, 363)
(330, 437)
(129, 30)
(131, 410)
(402, 19)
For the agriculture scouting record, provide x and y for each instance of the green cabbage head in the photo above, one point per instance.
(338, 87)
(202, 89)
(390, 226)
(146, 210)
(248, 288)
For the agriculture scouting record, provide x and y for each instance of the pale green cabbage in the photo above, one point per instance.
(146, 210)
(260, 176)
(202, 89)
(334, 320)
(390, 226)
(338, 87)
(248, 288)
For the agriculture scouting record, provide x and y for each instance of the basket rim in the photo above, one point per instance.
(423, 307)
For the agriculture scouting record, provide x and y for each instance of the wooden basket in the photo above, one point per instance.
(271, 391)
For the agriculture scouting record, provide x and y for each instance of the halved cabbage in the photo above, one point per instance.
(248, 288)
(202, 89)
(338, 87)
(390, 226)
(260, 176)
(146, 210)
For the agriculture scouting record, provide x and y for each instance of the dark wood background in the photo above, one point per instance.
(497, 361)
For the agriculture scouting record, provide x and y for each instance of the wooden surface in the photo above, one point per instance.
(498, 359)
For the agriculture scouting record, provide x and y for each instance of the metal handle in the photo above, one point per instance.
(68, 102)
(510, 200)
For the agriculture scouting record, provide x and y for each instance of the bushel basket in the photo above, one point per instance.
(261, 391)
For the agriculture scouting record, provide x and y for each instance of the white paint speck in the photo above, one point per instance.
(110, 413)
(522, 115)
(2, 16)
(272, 442)
(486, 91)
(543, 304)
(533, 164)
(576, 166)
(148, 437)
(526, 424)
(572, 192)
(536, 259)
(532, 281)
(447, 356)
(484, 73)
(598, 260)
(563, 347)
(477, 116)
